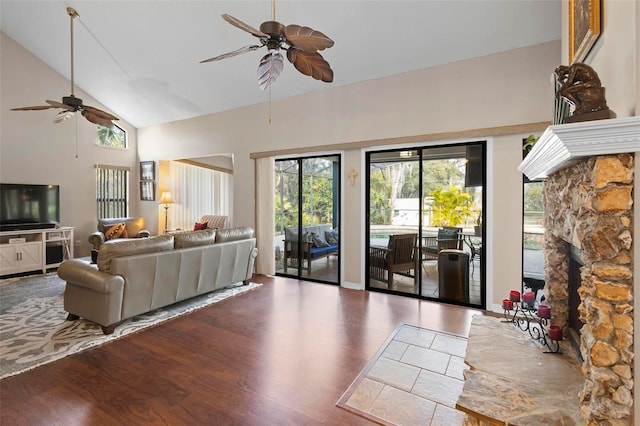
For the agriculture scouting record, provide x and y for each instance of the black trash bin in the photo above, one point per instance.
(453, 275)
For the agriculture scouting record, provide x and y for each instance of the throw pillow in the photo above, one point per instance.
(307, 237)
(200, 226)
(318, 240)
(328, 236)
(118, 230)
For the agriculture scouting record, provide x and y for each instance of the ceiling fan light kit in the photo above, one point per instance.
(71, 104)
(301, 44)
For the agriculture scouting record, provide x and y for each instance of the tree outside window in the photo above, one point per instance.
(115, 137)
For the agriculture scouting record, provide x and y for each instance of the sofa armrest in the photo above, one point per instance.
(92, 294)
(83, 274)
(292, 245)
(143, 233)
(96, 239)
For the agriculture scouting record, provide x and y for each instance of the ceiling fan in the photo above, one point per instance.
(300, 43)
(70, 104)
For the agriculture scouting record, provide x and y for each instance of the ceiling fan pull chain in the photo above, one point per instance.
(269, 104)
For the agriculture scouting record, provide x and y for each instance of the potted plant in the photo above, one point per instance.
(528, 144)
(478, 226)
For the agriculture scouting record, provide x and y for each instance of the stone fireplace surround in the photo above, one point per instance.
(590, 174)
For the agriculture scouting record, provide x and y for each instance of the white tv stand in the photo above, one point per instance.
(35, 249)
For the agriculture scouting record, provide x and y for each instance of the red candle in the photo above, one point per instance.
(514, 296)
(507, 304)
(555, 332)
(529, 297)
(544, 311)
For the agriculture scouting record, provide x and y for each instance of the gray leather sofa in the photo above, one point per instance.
(133, 276)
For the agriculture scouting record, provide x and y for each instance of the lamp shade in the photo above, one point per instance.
(166, 198)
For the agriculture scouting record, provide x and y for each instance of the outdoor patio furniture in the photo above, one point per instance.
(399, 257)
(307, 250)
(449, 237)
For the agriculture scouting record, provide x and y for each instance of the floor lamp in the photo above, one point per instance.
(166, 199)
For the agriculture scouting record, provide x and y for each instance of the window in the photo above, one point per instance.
(532, 231)
(115, 137)
(112, 191)
(198, 190)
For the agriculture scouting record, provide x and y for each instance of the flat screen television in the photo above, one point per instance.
(27, 206)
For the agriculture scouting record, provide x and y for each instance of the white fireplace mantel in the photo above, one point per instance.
(563, 144)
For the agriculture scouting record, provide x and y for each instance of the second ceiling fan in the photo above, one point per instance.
(300, 43)
(70, 104)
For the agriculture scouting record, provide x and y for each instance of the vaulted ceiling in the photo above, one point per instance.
(140, 58)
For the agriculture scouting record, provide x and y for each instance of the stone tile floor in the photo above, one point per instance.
(415, 379)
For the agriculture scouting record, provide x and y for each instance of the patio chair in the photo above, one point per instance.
(449, 237)
(399, 257)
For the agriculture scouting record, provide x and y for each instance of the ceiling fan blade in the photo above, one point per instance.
(98, 112)
(92, 116)
(311, 64)
(56, 104)
(231, 54)
(63, 115)
(271, 65)
(306, 39)
(245, 27)
(32, 108)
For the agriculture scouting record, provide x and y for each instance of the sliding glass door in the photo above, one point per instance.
(307, 228)
(424, 222)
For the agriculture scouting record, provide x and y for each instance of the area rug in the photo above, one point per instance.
(415, 378)
(34, 330)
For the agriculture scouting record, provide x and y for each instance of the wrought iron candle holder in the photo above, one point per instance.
(527, 318)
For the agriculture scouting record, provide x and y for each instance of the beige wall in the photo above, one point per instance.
(35, 150)
(497, 90)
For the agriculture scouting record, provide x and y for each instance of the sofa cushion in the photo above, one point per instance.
(120, 247)
(323, 251)
(119, 230)
(200, 226)
(194, 238)
(447, 234)
(233, 234)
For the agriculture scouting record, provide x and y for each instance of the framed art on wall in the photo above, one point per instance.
(584, 28)
(147, 190)
(147, 170)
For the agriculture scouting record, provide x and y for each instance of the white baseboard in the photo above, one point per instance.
(352, 286)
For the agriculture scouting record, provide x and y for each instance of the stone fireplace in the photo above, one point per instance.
(589, 206)
(589, 210)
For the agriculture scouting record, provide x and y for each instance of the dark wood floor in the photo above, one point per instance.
(279, 355)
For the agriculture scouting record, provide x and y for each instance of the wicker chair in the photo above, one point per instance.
(399, 257)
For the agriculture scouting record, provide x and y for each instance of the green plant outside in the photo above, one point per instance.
(112, 137)
(451, 206)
